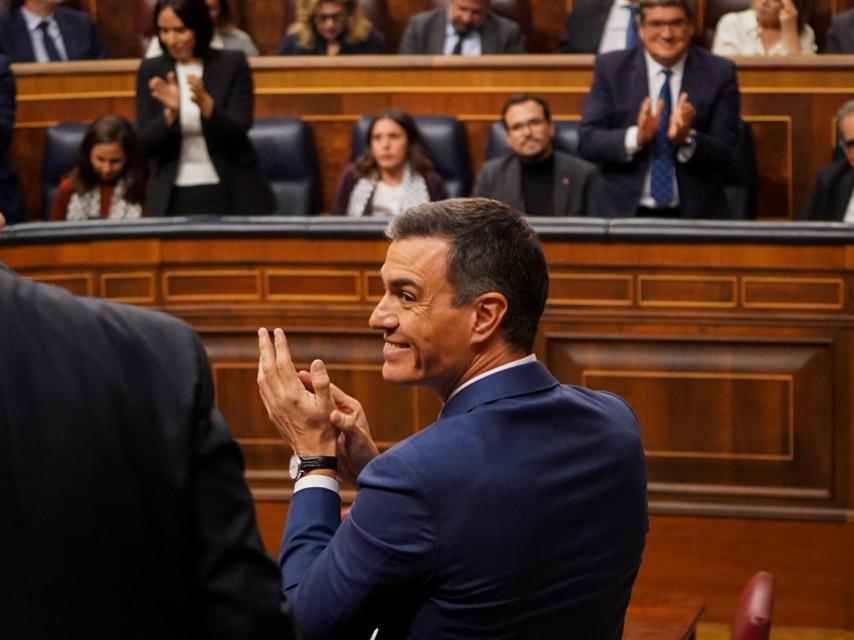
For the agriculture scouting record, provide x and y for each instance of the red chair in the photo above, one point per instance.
(753, 615)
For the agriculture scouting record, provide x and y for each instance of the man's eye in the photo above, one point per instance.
(407, 297)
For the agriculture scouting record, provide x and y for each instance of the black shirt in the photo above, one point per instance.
(538, 185)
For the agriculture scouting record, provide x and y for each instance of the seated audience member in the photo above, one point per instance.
(519, 514)
(840, 35)
(768, 28)
(833, 194)
(599, 26)
(11, 202)
(194, 107)
(42, 31)
(536, 178)
(109, 179)
(662, 120)
(393, 174)
(331, 28)
(464, 27)
(123, 505)
(226, 34)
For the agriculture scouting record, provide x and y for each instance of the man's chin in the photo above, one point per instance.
(394, 375)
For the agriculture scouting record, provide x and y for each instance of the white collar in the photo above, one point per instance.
(33, 21)
(516, 363)
(655, 67)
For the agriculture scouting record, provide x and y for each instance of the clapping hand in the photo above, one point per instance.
(681, 119)
(166, 93)
(200, 96)
(647, 121)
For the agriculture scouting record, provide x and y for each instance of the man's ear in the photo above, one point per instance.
(489, 310)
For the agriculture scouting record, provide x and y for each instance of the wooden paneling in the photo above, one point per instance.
(789, 104)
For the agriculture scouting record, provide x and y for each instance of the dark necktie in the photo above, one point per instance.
(661, 168)
(458, 48)
(49, 46)
(632, 30)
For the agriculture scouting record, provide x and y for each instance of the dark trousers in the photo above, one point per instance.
(203, 199)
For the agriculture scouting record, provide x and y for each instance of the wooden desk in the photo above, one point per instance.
(662, 616)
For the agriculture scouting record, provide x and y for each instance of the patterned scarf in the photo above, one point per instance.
(414, 193)
(88, 205)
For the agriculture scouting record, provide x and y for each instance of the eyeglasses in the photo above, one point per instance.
(339, 16)
(521, 126)
(660, 25)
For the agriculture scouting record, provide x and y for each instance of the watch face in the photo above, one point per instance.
(294, 467)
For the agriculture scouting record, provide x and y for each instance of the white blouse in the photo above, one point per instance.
(739, 34)
(194, 166)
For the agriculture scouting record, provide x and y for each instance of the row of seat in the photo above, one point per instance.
(286, 150)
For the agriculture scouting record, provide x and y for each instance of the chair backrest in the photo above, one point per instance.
(714, 10)
(286, 151)
(445, 140)
(59, 156)
(741, 193)
(753, 615)
(565, 138)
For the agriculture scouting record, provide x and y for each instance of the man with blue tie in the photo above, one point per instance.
(520, 513)
(42, 31)
(662, 120)
(597, 26)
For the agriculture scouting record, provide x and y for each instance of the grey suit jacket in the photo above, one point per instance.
(425, 34)
(584, 26)
(840, 35)
(501, 179)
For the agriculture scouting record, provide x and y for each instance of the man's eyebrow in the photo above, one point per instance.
(397, 283)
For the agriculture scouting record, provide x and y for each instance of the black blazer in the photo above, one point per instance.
(619, 87)
(11, 202)
(840, 35)
(584, 26)
(123, 505)
(834, 184)
(501, 179)
(228, 80)
(79, 35)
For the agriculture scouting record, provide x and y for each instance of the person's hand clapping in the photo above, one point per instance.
(200, 96)
(647, 121)
(166, 93)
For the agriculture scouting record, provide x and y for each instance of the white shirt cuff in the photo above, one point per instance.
(317, 482)
(631, 141)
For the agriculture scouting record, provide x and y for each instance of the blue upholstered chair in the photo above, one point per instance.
(59, 156)
(566, 138)
(445, 140)
(286, 150)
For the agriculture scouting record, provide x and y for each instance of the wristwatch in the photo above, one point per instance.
(300, 465)
(691, 140)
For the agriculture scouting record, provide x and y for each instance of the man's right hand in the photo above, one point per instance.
(647, 121)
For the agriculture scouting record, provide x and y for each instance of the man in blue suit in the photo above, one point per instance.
(661, 119)
(42, 31)
(520, 513)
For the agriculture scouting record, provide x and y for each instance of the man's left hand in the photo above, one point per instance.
(301, 416)
(681, 120)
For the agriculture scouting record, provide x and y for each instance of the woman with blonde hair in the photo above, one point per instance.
(331, 28)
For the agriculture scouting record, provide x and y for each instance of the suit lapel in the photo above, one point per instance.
(512, 186)
(436, 32)
(489, 35)
(842, 196)
(21, 37)
(70, 38)
(638, 80)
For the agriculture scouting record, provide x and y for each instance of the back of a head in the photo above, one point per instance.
(493, 248)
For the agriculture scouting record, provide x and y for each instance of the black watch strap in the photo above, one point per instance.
(310, 463)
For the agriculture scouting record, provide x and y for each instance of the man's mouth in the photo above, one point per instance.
(391, 346)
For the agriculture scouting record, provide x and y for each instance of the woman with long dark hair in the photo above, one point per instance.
(194, 107)
(108, 180)
(394, 172)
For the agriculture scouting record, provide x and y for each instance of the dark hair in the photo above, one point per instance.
(493, 248)
(521, 98)
(685, 4)
(195, 16)
(108, 129)
(226, 16)
(416, 151)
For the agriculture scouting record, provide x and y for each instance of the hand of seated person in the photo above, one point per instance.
(166, 93)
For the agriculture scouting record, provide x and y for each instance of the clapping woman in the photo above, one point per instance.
(194, 106)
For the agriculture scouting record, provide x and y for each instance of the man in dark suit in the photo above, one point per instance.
(520, 513)
(464, 27)
(11, 202)
(831, 198)
(536, 178)
(42, 31)
(123, 506)
(840, 35)
(661, 119)
(599, 26)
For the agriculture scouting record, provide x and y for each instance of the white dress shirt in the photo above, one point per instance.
(471, 44)
(614, 34)
(37, 37)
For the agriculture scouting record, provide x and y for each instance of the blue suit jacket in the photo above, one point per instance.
(79, 34)
(11, 202)
(619, 87)
(521, 513)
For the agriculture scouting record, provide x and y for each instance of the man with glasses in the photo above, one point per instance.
(662, 121)
(536, 178)
(833, 194)
(464, 27)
